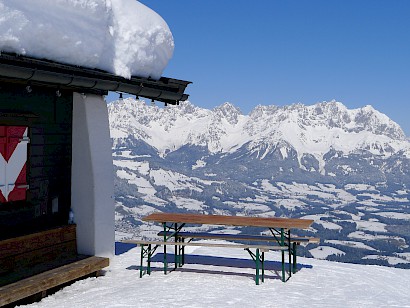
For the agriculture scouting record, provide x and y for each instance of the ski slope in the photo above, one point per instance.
(214, 284)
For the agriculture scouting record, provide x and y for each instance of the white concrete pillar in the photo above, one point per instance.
(92, 187)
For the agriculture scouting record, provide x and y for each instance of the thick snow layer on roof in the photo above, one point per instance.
(123, 37)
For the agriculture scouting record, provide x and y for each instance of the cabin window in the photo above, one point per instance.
(13, 163)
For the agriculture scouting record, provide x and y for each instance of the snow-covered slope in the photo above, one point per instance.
(123, 37)
(216, 282)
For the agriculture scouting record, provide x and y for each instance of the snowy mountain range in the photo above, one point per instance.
(306, 129)
(347, 169)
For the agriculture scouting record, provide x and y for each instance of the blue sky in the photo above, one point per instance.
(282, 52)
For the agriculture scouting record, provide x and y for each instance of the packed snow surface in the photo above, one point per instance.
(318, 284)
(123, 37)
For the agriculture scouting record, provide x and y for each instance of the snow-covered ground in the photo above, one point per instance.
(318, 284)
(322, 252)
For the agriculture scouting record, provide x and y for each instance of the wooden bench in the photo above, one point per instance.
(40, 283)
(264, 248)
(238, 237)
(147, 251)
(290, 244)
(27, 261)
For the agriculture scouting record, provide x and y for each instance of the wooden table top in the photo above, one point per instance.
(287, 223)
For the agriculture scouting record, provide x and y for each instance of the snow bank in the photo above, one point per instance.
(123, 37)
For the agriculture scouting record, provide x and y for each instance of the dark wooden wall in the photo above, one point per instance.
(49, 118)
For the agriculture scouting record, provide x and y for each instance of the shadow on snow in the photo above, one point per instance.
(273, 269)
(121, 248)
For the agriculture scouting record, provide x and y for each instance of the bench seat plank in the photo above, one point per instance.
(243, 246)
(312, 240)
(50, 279)
(239, 237)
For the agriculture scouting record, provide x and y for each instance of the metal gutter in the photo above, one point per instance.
(44, 72)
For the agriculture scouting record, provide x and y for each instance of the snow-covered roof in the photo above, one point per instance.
(122, 37)
(92, 45)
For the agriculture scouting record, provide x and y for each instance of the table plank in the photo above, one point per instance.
(267, 222)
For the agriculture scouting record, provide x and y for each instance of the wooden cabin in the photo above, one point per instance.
(56, 175)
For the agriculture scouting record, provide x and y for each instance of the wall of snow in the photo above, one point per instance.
(123, 37)
(92, 187)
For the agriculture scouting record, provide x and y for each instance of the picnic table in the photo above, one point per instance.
(279, 238)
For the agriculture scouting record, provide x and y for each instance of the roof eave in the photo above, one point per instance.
(39, 71)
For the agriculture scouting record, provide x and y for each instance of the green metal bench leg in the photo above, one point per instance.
(142, 260)
(294, 258)
(290, 254)
(165, 249)
(145, 252)
(282, 243)
(259, 259)
(257, 266)
(263, 266)
(176, 248)
(180, 258)
(149, 260)
(182, 252)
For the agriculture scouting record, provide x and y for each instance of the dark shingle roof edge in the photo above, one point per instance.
(44, 72)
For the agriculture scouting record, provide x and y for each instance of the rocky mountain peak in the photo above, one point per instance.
(262, 110)
(228, 112)
(370, 119)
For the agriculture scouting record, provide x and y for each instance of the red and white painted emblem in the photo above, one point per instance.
(13, 163)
